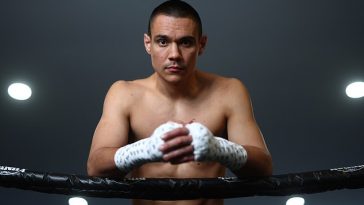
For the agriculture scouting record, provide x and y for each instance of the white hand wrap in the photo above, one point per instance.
(210, 148)
(143, 151)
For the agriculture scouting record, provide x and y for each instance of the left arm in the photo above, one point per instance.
(243, 130)
(245, 151)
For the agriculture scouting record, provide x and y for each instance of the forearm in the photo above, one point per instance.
(142, 151)
(241, 160)
(259, 163)
(101, 163)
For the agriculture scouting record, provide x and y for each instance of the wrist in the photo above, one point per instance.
(210, 148)
(134, 155)
(143, 151)
(230, 154)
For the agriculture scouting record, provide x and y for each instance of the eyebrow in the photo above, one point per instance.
(191, 38)
(159, 36)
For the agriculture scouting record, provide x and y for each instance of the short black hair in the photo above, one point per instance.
(176, 8)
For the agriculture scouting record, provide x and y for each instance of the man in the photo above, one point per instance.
(180, 121)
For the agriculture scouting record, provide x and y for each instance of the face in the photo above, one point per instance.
(174, 45)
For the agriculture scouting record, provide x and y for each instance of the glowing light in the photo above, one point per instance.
(77, 201)
(295, 201)
(355, 90)
(19, 91)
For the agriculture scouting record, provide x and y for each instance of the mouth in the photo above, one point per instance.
(174, 69)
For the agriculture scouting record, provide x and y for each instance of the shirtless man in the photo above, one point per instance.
(180, 121)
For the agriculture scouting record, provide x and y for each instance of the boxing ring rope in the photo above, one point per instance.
(177, 188)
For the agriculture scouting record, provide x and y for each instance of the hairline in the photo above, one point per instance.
(199, 27)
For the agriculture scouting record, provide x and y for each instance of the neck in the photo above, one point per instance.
(186, 88)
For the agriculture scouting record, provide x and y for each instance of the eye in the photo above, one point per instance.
(162, 42)
(187, 42)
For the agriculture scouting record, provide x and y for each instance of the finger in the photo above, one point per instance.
(175, 133)
(178, 153)
(175, 143)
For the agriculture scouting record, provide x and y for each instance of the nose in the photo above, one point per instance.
(174, 52)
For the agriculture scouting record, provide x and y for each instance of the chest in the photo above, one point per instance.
(149, 113)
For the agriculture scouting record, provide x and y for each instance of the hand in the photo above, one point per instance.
(203, 141)
(207, 147)
(177, 147)
(143, 151)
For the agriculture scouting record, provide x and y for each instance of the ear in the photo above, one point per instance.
(202, 44)
(147, 43)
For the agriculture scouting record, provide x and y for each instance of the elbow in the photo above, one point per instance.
(91, 171)
(259, 164)
(92, 168)
(95, 170)
(267, 168)
(261, 167)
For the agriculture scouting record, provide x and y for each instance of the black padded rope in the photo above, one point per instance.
(176, 189)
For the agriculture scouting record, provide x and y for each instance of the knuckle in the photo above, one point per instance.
(187, 139)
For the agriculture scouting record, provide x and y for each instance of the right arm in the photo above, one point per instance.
(111, 132)
(110, 154)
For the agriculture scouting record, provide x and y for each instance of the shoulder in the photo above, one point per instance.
(239, 103)
(236, 95)
(229, 86)
(123, 94)
(118, 90)
(235, 87)
(127, 89)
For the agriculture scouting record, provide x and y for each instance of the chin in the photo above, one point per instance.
(174, 79)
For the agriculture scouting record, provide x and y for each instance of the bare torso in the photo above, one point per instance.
(150, 109)
(176, 91)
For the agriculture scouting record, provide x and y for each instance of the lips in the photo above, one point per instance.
(174, 69)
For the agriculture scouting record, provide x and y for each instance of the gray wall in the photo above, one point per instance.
(295, 57)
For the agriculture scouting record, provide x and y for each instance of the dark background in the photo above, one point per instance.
(295, 57)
